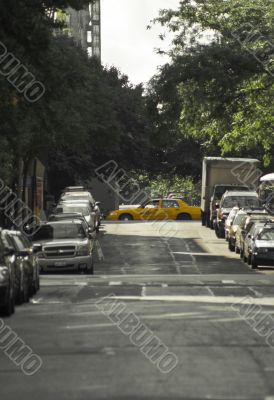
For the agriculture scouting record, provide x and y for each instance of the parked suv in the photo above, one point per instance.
(230, 199)
(66, 246)
(7, 279)
(216, 197)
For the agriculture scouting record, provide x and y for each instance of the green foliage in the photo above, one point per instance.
(218, 91)
(88, 115)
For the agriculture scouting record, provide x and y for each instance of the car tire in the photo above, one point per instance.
(237, 250)
(9, 308)
(249, 259)
(230, 246)
(218, 233)
(126, 217)
(253, 262)
(184, 217)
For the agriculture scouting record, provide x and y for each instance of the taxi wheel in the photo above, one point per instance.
(125, 217)
(184, 217)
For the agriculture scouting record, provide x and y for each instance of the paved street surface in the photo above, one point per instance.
(182, 288)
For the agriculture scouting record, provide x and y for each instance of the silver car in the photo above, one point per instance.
(261, 245)
(66, 246)
(82, 207)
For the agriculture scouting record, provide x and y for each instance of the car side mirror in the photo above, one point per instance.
(97, 203)
(217, 206)
(9, 251)
(249, 236)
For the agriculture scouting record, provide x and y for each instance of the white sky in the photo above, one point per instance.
(126, 43)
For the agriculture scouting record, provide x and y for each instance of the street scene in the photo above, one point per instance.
(137, 199)
(182, 289)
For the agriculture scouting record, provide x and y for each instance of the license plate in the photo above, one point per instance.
(60, 264)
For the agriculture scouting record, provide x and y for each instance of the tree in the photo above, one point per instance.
(220, 82)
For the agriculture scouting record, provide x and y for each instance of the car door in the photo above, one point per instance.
(170, 209)
(150, 210)
(28, 267)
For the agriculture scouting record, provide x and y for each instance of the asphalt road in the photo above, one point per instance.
(180, 282)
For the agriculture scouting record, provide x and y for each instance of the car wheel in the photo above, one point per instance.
(184, 217)
(230, 246)
(220, 234)
(254, 263)
(125, 217)
(8, 308)
(237, 250)
(249, 259)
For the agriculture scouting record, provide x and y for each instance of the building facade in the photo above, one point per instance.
(85, 27)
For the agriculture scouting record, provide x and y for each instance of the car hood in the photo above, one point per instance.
(264, 243)
(63, 242)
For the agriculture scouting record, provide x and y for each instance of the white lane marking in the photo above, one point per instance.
(210, 291)
(144, 291)
(45, 301)
(88, 326)
(174, 315)
(187, 253)
(258, 294)
(115, 283)
(228, 282)
(109, 351)
(164, 285)
(265, 301)
(225, 319)
(177, 265)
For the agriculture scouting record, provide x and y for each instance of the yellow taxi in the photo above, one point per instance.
(157, 209)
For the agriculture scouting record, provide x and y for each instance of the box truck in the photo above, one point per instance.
(222, 174)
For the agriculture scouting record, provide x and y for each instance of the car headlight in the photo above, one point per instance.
(83, 251)
(4, 275)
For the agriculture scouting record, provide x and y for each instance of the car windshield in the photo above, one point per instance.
(266, 234)
(238, 219)
(73, 209)
(59, 231)
(240, 201)
(76, 197)
(220, 190)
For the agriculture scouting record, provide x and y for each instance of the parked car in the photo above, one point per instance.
(244, 227)
(158, 209)
(71, 216)
(230, 199)
(82, 207)
(233, 229)
(27, 271)
(84, 196)
(228, 221)
(94, 209)
(261, 246)
(216, 197)
(74, 189)
(66, 246)
(7, 280)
